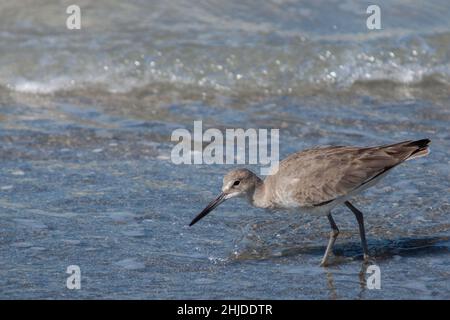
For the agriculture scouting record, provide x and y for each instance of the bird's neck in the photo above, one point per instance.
(258, 197)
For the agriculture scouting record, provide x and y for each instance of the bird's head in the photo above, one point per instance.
(236, 183)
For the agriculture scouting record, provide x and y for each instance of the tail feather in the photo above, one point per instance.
(422, 148)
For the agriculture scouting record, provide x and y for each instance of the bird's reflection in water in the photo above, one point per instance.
(384, 251)
(331, 284)
(347, 255)
(362, 279)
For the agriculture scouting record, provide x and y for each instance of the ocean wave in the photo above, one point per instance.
(214, 49)
(238, 72)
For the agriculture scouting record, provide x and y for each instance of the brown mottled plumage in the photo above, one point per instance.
(318, 179)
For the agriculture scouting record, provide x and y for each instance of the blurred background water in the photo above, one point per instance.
(85, 123)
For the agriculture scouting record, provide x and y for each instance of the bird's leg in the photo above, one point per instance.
(362, 232)
(333, 235)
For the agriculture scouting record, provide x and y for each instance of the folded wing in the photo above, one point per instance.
(323, 174)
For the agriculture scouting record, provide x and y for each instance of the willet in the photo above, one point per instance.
(315, 181)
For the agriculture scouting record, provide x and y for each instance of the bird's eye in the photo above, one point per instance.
(236, 183)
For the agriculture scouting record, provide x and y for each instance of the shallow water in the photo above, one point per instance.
(85, 124)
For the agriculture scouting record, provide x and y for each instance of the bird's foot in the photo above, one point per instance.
(324, 263)
(368, 259)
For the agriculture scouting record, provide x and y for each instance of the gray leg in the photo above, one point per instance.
(333, 235)
(362, 232)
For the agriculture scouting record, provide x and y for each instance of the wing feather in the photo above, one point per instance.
(317, 176)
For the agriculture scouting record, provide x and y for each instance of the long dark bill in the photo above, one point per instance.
(210, 207)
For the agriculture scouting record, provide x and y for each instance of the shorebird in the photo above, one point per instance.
(316, 180)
